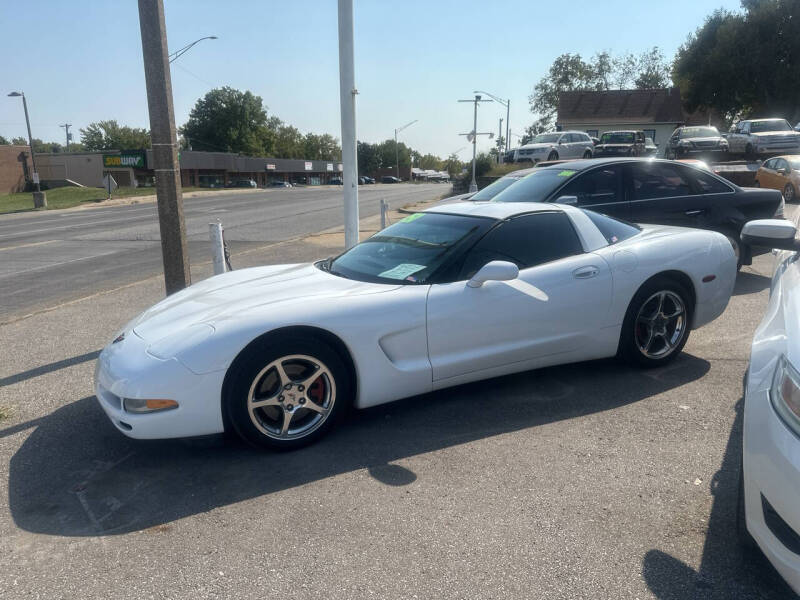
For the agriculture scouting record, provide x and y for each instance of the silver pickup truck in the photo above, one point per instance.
(760, 137)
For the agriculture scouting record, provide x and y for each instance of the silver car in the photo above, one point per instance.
(556, 146)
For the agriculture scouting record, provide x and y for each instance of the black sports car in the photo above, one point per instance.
(654, 191)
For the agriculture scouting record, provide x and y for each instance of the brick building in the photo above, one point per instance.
(14, 168)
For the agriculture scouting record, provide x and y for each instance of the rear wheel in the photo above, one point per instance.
(657, 323)
(789, 193)
(733, 238)
(749, 152)
(553, 155)
(587, 154)
(287, 392)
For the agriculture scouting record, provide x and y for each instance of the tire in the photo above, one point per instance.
(757, 183)
(733, 238)
(749, 152)
(587, 154)
(553, 155)
(650, 337)
(789, 193)
(313, 374)
(669, 154)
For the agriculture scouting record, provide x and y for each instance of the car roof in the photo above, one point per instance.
(496, 210)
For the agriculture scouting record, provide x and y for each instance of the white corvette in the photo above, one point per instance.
(454, 294)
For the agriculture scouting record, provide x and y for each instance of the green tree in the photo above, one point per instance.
(4, 141)
(430, 161)
(40, 147)
(109, 135)
(321, 147)
(226, 119)
(369, 158)
(453, 166)
(744, 64)
(19, 141)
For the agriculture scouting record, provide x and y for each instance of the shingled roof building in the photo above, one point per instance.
(658, 112)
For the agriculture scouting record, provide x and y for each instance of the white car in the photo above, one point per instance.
(556, 146)
(769, 512)
(457, 293)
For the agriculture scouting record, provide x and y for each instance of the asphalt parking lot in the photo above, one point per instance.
(592, 480)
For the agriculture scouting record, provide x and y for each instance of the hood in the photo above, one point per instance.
(625, 146)
(785, 132)
(540, 146)
(696, 140)
(241, 292)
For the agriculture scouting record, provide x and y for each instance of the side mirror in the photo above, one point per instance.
(782, 172)
(771, 233)
(572, 200)
(497, 270)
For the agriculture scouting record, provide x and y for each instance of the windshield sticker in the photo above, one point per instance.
(412, 218)
(566, 173)
(402, 271)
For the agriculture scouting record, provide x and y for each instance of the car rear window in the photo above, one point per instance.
(612, 229)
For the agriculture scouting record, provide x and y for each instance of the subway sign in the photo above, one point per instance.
(123, 161)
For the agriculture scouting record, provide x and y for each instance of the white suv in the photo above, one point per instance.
(555, 146)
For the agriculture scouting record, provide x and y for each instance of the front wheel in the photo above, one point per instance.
(789, 193)
(553, 155)
(287, 392)
(656, 325)
(587, 154)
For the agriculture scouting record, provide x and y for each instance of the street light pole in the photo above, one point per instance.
(397, 149)
(178, 53)
(39, 198)
(507, 104)
(165, 145)
(66, 127)
(473, 137)
(347, 105)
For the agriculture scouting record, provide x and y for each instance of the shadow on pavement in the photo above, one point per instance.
(55, 366)
(750, 283)
(76, 475)
(725, 572)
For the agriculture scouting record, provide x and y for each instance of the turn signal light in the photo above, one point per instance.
(137, 405)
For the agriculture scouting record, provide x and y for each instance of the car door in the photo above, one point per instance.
(782, 172)
(558, 303)
(599, 189)
(767, 175)
(663, 193)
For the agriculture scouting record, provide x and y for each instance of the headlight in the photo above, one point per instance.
(141, 406)
(538, 150)
(785, 394)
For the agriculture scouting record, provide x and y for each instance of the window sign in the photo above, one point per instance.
(329, 167)
(309, 167)
(124, 160)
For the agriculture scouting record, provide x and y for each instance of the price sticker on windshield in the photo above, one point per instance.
(402, 271)
(566, 173)
(412, 218)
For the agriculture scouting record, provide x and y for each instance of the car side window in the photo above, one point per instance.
(527, 241)
(598, 186)
(658, 180)
(770, 164)
(781, 164)
(709, 184)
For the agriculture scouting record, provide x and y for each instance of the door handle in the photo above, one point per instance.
(693, 213)
(585, 272)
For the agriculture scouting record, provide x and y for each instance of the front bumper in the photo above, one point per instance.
(772, 473)
(126, 370)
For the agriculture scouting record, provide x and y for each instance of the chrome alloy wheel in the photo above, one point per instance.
(291, 397)
(660, 324)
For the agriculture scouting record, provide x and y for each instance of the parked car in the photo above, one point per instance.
(781, 173)
(455, 294)
(696, 140)
(700, 164)
(768, 514)
(650, 148)
(620, 143)
(595, 140)
(763, 137)
(280, 184)
(555, 145)
(243, 183)
(390, 179)
(336, 181)
(369, 180)
(652, 191)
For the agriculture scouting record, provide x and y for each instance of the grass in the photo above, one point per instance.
(69, 197)
(504, 169)
(4, 412)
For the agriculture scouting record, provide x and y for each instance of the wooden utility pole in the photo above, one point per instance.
(165, 145)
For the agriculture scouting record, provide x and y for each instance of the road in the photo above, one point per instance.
(47, 258)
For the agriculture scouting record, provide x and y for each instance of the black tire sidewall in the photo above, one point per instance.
(257, 356)
(789, 186)
(628, 350)
(553, 155)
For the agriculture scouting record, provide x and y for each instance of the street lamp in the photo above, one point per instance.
(396, 150)
(39, 200)
(178, 53)
(472, 137)
(507, 104)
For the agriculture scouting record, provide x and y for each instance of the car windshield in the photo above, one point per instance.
(699, 132)
(490, 191)
(535, 187)
(794, 162)
(409, 251)
(546, 138)
(772, 125)
(617, 137)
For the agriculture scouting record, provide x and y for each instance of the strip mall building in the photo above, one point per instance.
(198, 169)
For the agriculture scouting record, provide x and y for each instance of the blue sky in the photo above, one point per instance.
(414, 59)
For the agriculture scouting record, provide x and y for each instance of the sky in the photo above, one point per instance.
(80, 61)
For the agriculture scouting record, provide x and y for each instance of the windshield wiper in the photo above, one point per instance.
(408, 241)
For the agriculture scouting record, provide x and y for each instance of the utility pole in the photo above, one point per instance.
(347, 103)
(499, 142)
(165, 145)
(501, 102)
(66, 127)
(39, 197)
(473, 137)
(396, 148)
